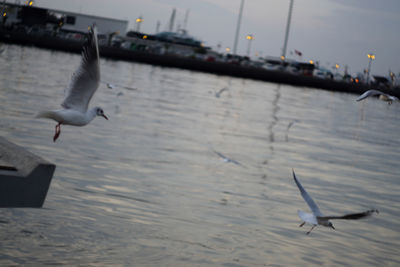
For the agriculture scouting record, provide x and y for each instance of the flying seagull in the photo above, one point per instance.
(113, 86)
(218, 94)
(317, 218)
(288, 128)
(385, 97)
(226, 159)
(83, 85)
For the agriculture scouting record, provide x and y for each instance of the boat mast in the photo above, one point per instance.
(283, 57)
(238, 27)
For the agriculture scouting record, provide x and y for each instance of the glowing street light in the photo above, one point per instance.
(228, 49)
(249, 37)
(139, 21)
(337, 67)
(371, 57)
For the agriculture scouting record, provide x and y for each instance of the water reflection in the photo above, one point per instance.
(274, 121)
(147, 189)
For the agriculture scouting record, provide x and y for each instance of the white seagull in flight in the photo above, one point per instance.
(385, 97)
(228, 160)
(317, 218)
(82, 87)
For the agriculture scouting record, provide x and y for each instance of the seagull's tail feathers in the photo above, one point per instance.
(45, 114)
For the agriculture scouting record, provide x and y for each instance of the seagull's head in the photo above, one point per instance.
(331, 225)
(100, 112)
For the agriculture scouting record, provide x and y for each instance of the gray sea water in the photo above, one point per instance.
(148, 188)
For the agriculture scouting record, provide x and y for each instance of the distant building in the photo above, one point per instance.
(71, 21)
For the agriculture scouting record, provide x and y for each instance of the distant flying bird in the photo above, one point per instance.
(317, 218)
(113, 86)
(288, 128)
(218, 94)
(83, 85)
(385, 97)
(228, 160)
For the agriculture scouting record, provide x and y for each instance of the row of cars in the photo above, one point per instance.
(186, 46)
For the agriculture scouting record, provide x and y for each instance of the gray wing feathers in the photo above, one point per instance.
(314, 208)
(369, 93)
(352, 216)
(86, 78)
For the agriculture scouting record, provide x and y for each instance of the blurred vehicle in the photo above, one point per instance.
(323, 73)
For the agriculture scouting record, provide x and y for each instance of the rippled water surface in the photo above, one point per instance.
(148, 188)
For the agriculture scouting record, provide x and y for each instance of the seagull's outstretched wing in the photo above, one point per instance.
(86, 78)
(368, 94)
(352, 216)
(371, 93)
(314, 208)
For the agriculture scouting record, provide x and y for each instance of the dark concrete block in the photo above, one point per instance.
(24, 177)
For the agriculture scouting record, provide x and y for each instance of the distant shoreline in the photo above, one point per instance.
(220, 68)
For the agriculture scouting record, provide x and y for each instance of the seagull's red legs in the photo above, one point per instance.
(310, 229)
(58, 131)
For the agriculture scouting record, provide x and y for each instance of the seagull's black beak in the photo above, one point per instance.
(104, 116)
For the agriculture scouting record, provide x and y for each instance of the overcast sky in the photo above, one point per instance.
(328, 31)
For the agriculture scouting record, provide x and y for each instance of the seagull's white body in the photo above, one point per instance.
(382, 96)
(70, 116)
(81, 89)
(316, 217)
(308, 217)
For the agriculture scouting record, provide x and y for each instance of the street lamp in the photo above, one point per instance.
(249, 37)
(337, 67)
(139, 20)
(371, 57)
